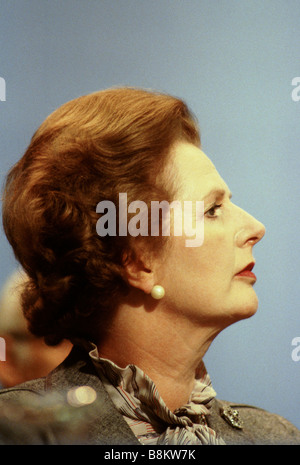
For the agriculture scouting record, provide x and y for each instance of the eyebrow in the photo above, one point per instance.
(218, 193)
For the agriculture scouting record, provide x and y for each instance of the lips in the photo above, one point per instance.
(247, 271)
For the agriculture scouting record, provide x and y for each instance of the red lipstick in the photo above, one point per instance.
(247, 272)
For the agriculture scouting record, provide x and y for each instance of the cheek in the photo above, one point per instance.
(207, 268)
(217, 253)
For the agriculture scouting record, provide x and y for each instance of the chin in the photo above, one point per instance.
(247, 308)
(244, 305)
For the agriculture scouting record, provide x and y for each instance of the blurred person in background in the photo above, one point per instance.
(26, 356)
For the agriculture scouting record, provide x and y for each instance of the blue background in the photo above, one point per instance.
(232, 62)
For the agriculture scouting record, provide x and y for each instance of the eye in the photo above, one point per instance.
(214, 211)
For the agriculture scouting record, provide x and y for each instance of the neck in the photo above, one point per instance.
(166, 347)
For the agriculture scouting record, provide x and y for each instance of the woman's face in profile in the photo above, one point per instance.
(204, 283)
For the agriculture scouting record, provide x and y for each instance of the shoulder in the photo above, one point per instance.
(19, 408)
(35, 386)
(247, 424)
(22, 394)
(27, 416)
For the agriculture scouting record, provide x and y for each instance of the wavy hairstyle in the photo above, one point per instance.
(90, 149)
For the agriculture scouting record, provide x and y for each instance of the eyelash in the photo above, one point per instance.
(213, 208)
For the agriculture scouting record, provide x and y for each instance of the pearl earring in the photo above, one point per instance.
(157, 292)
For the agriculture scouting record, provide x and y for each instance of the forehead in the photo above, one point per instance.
(195, 172)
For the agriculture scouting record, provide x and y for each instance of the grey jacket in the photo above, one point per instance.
(103, 424)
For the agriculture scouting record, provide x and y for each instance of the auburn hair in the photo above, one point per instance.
(88, 150)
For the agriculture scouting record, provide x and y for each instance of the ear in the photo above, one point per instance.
(138, 272)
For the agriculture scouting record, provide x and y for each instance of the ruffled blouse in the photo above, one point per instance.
(136, 397)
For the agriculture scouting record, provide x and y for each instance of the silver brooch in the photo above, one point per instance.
(232, 417)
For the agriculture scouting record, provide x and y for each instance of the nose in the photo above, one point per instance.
(250, 230)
